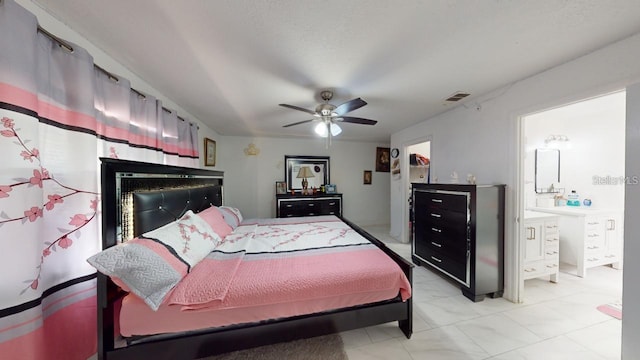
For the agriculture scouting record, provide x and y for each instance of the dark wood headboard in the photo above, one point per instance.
(152, 209)
(122, 178)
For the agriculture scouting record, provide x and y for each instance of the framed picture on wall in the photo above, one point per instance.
(367, 177)
(382, 159)
(281, 187)
(209, 152)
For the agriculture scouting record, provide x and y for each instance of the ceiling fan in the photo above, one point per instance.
(329, 115)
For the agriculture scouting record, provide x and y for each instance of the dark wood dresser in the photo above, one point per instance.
(288, 205)
(458, 230)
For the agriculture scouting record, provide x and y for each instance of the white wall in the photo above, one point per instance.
(482, 139)
(250, 180)
(631, 287)
(596, 129)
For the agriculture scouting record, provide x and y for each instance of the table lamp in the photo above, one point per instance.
(304, 173)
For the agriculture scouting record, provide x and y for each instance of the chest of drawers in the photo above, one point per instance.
(458, 230)
(308, 205)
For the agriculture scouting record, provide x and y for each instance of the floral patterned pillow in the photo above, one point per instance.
(152, 264)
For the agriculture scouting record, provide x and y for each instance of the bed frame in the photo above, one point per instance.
(167, 192)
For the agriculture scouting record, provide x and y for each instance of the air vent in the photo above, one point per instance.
(457, 96)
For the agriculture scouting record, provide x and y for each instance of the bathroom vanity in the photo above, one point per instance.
(589, 237)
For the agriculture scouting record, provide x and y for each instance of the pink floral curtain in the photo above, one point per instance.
(59, 114)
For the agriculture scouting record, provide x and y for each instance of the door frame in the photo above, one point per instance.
(405, 236)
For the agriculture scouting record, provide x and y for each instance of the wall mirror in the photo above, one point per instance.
(318, 166)
(547, 170)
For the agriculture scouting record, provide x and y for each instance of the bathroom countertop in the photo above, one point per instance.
(531, 214)
(573, 210)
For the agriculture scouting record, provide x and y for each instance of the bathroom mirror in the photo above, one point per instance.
(547, 170)
(318, 166)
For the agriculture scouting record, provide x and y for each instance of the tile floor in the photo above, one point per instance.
(556, 321)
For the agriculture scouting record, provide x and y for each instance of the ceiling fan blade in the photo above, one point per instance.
(298, 123)
(356, 120)
(298, 108)
(350, 106)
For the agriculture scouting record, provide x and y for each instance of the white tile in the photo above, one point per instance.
(355, 338)
(544, 320)
(558, 348)
(604, 339)
(384, 332)
(445, 311)
(497, 333)
(443, 343)
(389, 349)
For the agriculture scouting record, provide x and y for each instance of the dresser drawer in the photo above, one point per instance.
(329, 206)
(456, 250)
(435, 201)
(457, 269)
(311, 206)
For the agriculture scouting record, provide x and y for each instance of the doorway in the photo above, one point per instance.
(588, 139)
(418, 170)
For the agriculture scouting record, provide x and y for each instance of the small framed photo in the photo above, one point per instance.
(281, 187)
(367, 177)
(330, 188)
(383, 160)
(209, 152)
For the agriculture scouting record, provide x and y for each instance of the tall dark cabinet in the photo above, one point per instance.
(458, 230)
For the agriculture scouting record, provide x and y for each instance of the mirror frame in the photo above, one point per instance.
(539, 175)
(291, 161)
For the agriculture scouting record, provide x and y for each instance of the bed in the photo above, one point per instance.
(163, 194)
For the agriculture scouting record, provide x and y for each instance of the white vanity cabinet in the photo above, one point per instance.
(590, 237)
(591, 240)
(541, 246)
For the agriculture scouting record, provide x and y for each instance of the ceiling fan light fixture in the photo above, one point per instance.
(321, 129)
(335, 129)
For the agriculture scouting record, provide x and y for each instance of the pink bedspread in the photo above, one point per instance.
(273, 268)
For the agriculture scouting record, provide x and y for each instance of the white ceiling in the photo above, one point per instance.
(230, 63)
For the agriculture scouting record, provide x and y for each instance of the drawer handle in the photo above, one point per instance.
(436, 200)
(530, 270)
(311, 204)
(331, 212)
(288, 205)
(592, 247)
(609, 256)
(436, 244)
(552, 253)
(436, 215)
(593, 259)
(436, 259)
(551, 266)
(312, 214)
(593, 223)
(332, 203)
(593, 235)
(436, 230)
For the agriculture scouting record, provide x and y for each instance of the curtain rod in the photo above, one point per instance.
(111, 76)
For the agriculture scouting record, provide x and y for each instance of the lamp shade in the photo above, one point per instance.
(305, 172)
(321, 129)
(335, 129)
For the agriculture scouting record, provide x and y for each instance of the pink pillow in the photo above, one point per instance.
(214, 218)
